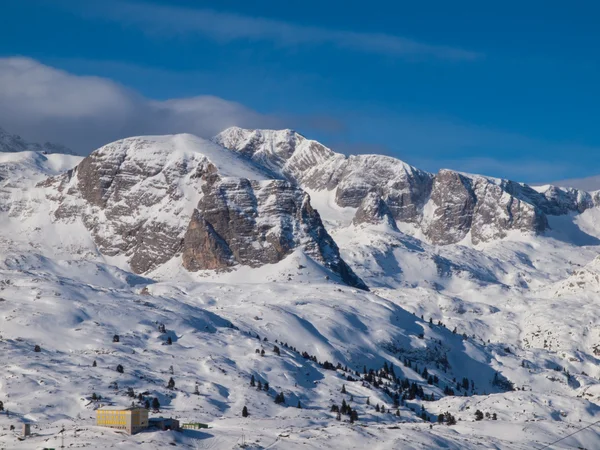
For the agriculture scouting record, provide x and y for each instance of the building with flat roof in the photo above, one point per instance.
(132, 420)
(164, 423)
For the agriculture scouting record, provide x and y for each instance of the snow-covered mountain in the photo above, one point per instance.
(247, 258)
(14, 143)
(587, 184)
(447, 206)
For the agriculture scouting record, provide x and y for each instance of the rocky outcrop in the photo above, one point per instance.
(374, 210)
(485, 207)
(448, 206)
(240, 221)
(151, 199)
(497, 212)
(453, 202)
(314, 166)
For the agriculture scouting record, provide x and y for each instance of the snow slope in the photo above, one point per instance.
(517, 317)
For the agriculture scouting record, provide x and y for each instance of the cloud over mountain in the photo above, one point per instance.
(84, 112)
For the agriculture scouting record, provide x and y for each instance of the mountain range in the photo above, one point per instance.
(265, 255)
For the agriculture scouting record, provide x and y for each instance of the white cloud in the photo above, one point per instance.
(42, 103)
(225, 27)
(587, 184)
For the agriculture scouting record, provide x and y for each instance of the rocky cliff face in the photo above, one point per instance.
(373, 210)
(240, 221)
(151, 199)
(447, 206)
(460, 204)
(312, 165)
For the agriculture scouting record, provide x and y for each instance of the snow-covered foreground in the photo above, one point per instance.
(73, 309)
(516, 320)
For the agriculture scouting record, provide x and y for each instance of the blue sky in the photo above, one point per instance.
(503, 88)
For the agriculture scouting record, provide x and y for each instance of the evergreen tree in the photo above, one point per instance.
(37, 349)
(299, 406)
(353, 416)
(397, 413)
(266, 386)
(169, 341)
(368, 401)
(478, 415)
(244, 412)
(259, 386)
(276, 350)
(494, 416)
(440, 418)
(465, 383)
(262, 352)
(171, 384)
(449, 419)
(147, 404)
(120, 368)
(116, 338)
(377, 407)
(155, 404)
(252, 381)
(343, 388)
(94, 364)
(196, 391)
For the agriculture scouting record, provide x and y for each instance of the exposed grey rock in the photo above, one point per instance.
(457, 204)
(239, 221)
(453, 201)
(152, 199)
(312, 165)
(498, 212)
(374, 210)
(485, 207)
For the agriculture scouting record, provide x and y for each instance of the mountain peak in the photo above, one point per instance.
(12, 143)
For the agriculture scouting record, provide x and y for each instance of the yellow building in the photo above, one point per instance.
(131, 420)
